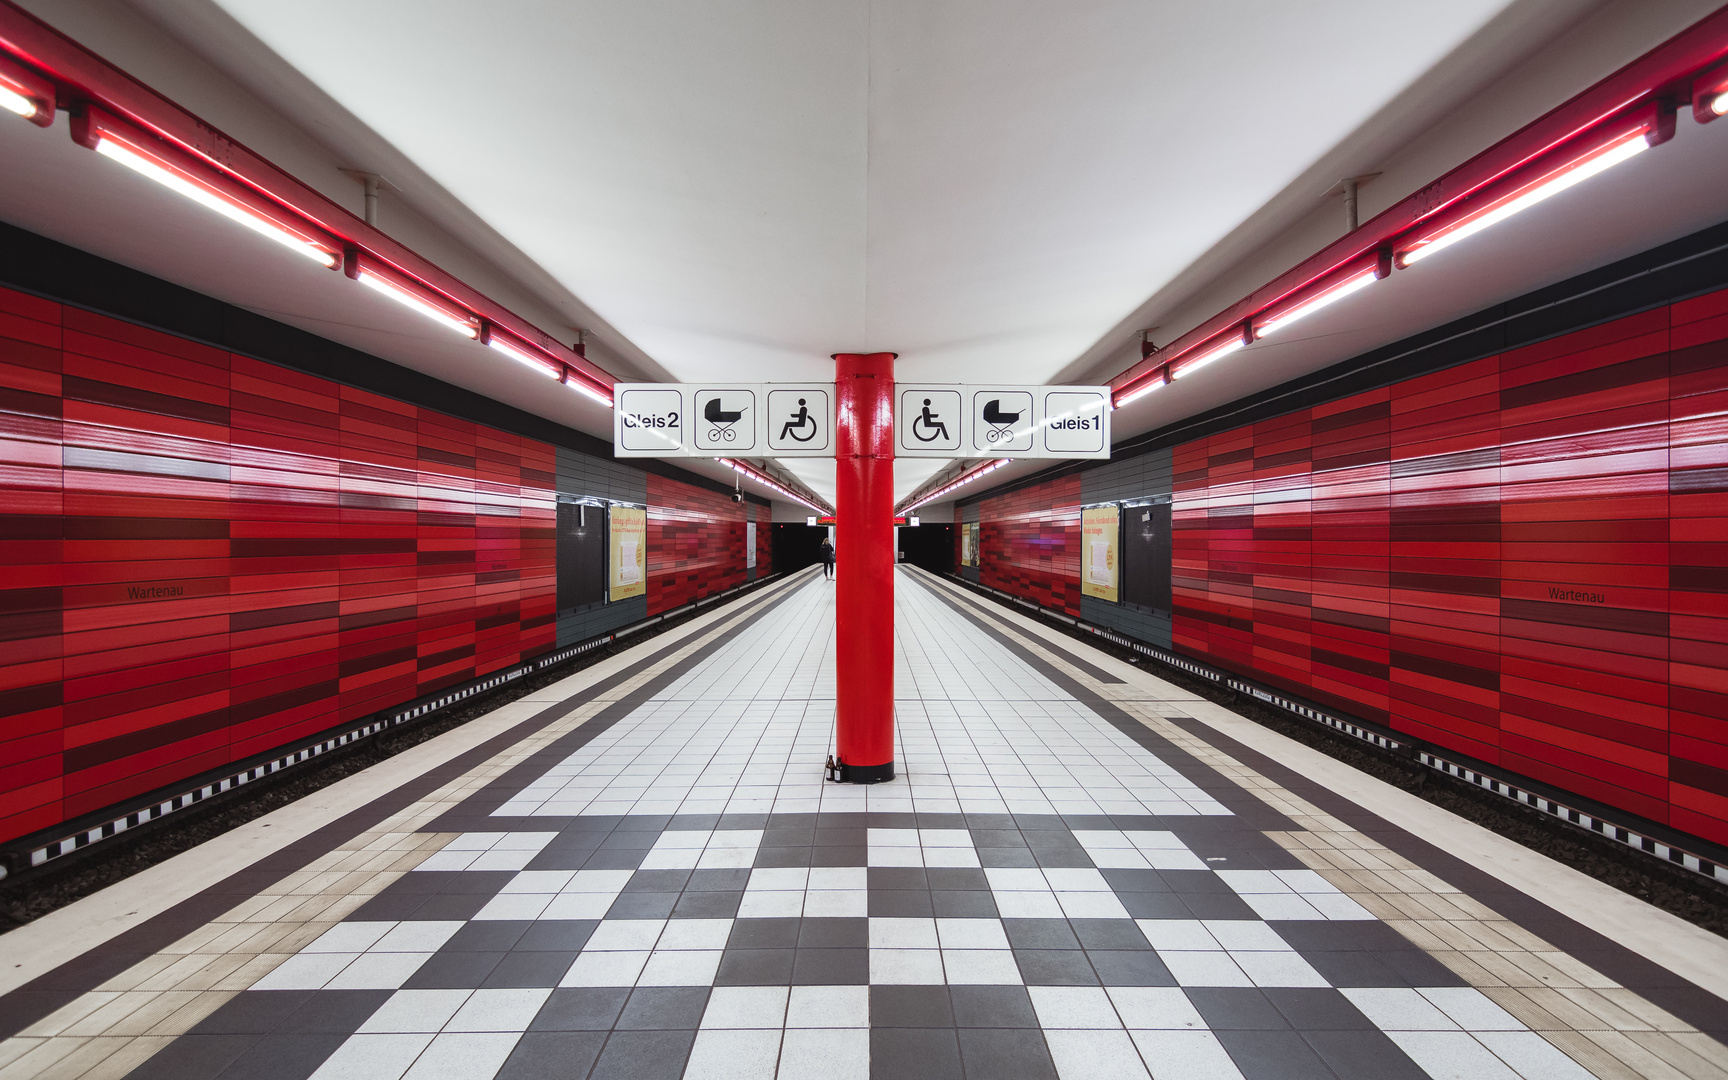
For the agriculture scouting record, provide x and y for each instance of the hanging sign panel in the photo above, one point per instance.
(943, 420)
(723, 419)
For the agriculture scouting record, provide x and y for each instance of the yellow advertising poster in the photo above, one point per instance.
(629, 552)
(1100, 528)
(969, 544)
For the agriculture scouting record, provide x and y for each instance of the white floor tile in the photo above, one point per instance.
(1185, 1055)
(408, 1011)
(1073, 1007)
(1095, 1055)
(463, 1056)
(372, 1057)
(746, 1007)
(829, 1007)
(825, 1054)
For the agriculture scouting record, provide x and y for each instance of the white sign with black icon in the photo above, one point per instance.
(929, 421)
(1003, 420)
(723, 419)
(648, 421)
(799, 419)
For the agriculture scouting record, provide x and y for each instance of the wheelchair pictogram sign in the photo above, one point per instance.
(798, 420)
(928, 421)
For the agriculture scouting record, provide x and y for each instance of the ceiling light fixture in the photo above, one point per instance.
(1157, 379)
(412, 295)
(26, 93)
(1710, 94)
(1328, 291)
(962, 482)
(1571, 164)
(181, 172)
(1216, 349)
(532, 357)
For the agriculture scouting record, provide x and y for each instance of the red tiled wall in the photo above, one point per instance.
(1523, 558)
(1030, 543)
(695, 543)
(208, 556)
(764, 542)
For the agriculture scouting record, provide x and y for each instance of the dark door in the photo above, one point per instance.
(583, 536)
(930, 546)
(797, 546)
(1146, 557)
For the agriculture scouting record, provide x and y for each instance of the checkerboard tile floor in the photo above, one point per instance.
(1039, 895)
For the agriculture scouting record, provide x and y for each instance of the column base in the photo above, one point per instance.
(860, 774)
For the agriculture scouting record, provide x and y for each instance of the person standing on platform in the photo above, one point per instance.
(828, 558)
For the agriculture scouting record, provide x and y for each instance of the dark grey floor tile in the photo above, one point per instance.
(333, 1012)
(693, 822)
(707, 905)
(963, 905)
(998, 838)
(525, 969)
(1164, 905)
(1218, 906)
(283, 1057)
(422, 882)
(1089, 821)
(1352, 969)
(783, 856)
(1119, 967)
(957, 878)
(487, 935)
(793, 821)
(1414, 967)
(1363, 1055)
(941, 821)
(1274, 1055)
(834, 934)
(1018, 1054)
(454, 971)
(657, 881)
(484, 883)
(391, 907)
(630, 839)
(998, 822)
(910, 1007)
(1109, 934)
(553, 1055)
(1055, 967)
(664, 1008)
(557, 935)
(831, 967)
(1135, 880)
(581, 1008)
(643, 905)
(615, 859)
(1006, 856)
(195, 1057)
(1062, 857)
(731, 880)
(252, 1012)
(1040, 934)
(743, 821)
(1312, 1009)
(841, 836)
(886, 820)
(755, 967)
(764, 934)
(1236, 1008)
(898, 877)
(563, 859)
(644, 1055)
(992, 1007)
(1352, 935)
(900, 904)
(449, 907)
(788, 836)
(837, 855)
(1188, 882)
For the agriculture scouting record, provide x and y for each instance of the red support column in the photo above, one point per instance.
(864, 565)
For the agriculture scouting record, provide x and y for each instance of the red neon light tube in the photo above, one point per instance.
(26, 93)
(1327, 291)
(413, 295)
(158, 159)
(1593, 152)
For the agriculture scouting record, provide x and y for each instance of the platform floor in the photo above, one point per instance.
(1082, 872)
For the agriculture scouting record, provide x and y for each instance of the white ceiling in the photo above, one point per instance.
(744, 187)
(739, 188)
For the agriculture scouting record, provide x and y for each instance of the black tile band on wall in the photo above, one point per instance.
(1649, 838)
(40, 849)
